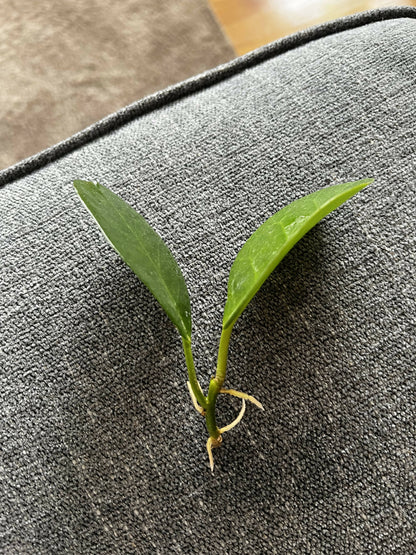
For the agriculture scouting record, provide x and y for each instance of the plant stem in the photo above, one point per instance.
(193, 380)
(211, 423)
(217, 383)
(223, 354)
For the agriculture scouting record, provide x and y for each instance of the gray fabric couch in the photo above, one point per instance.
(101, 449)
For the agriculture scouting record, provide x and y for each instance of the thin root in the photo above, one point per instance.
(194, 401)
(243, 396)
(211, 458)
(212, 442)
(236, 421)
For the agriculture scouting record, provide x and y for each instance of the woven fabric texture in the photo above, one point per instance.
(102, 451)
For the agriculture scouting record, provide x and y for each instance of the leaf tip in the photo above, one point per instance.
(365, 182)
(79, 182)
(83, 184)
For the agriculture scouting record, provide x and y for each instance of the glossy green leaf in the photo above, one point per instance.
(267, 246)
(142, 249)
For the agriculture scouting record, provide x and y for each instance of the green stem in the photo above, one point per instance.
(193, 380)
(223, 354)
(217, 383)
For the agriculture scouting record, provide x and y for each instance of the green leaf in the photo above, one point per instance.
(267, 246)
(142, 249)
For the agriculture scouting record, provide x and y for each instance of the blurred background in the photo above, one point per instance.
(70, 63)
(252, 23)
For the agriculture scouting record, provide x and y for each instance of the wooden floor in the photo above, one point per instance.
(249, 24)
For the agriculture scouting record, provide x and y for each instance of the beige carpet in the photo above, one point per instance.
(66, 64)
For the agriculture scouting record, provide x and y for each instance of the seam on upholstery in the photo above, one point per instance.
(198, 83)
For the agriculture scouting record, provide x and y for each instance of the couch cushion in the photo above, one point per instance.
(102, 451)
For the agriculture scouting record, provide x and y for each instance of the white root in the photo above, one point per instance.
(243, 396)
(211, 458)
(211, 443)
(236, 421)
(194, 401)
(216, 442)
